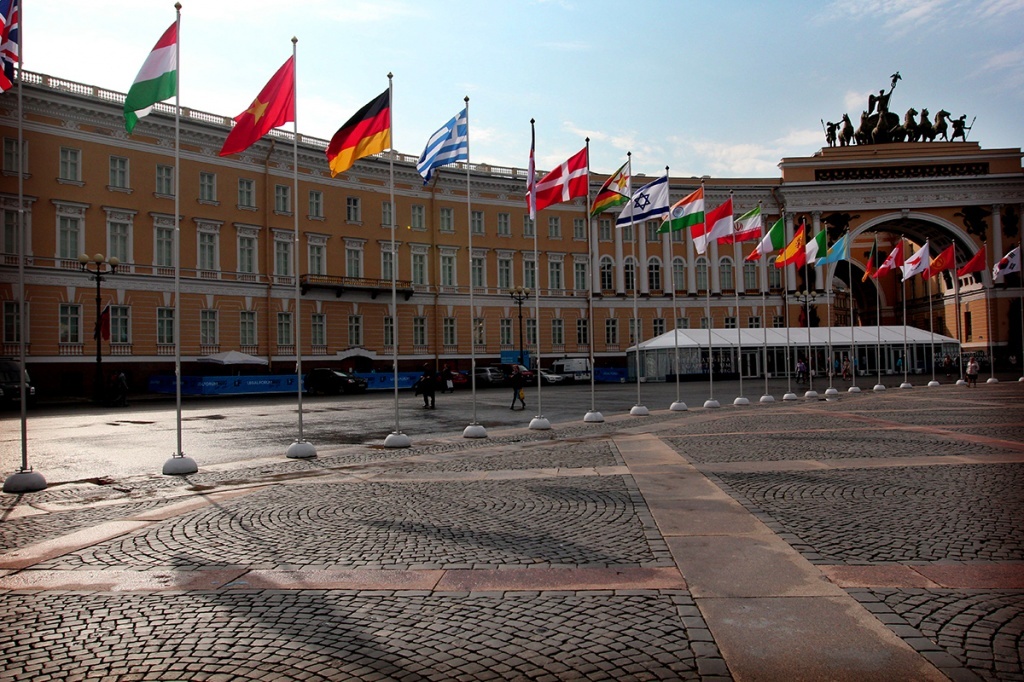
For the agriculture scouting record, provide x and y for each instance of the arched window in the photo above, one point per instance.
(630, 271)
(679, 273)
(725, 273)
(701, 265)
(654, 274)
(750, 276)
(774, 275)
(607, 274)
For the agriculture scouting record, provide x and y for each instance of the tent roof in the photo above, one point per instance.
(233, 357)
(797, 336)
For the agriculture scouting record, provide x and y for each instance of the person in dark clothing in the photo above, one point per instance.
(426, 386)
(447, 383)
(518, 382)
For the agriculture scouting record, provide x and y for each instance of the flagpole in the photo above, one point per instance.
(854, 388)
(878, 337)
(1021, 280)
(678, 405)
(931, 326)
(24, 480)
(538, 423)
(710, 403)
(475, 429)
(767, 397)
(830, 290)
(395, 439)
(785, 299)
(959, 332)
(592, 415)
(737, 279)
(810, 392)
(178, 464)
(638, 410)
(903, 295)
(988, 319)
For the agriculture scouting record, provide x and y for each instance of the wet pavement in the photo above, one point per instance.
(872, 537)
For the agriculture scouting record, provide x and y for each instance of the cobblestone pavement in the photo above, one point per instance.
(528, 555)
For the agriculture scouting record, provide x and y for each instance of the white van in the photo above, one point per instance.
(573, 369)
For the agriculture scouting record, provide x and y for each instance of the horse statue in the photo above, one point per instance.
(863, 133)
(909, 128)
(926, 132)
(846, 132)
(941, 125)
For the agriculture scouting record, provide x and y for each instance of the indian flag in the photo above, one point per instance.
(686, 212)
(157, 79)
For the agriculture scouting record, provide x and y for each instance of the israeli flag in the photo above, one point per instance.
(447, 145)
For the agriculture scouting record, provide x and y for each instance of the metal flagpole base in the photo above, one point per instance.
(593, 417)
(678, 406)
(711, 404)
(539, 423)
(24, 482)
(831, 393)
(853, 389)
(879, 388)
(906, 384)
(992, 380)
(741, 401)
(767, 399)
(1021, 379)
(639, 411)
(933, 383)
(397, 439)
(179, 465)
(301, 449)
(474, 431)
(811, 395)
(961, 382)
(789, 396)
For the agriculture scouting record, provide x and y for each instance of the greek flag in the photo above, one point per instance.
(447, 145)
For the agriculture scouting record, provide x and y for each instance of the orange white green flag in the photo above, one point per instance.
(686, 212)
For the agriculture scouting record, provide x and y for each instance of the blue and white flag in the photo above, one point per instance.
(447, 145)
(837, 252)
(648, 202)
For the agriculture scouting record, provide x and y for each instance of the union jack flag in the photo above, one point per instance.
(10, 41)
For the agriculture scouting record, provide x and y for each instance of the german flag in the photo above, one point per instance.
(367, 132)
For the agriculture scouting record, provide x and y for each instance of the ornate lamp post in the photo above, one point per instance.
(520, 295)
(98, 266)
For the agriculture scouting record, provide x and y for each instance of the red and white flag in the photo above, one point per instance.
(917, 263)
(892, 262)
(1007, 264)
(566, 181)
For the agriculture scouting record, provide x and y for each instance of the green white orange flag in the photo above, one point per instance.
(773, 241)
(794, 252)
(614, 192)
(686, 212)
(157, 79)
(367, 132)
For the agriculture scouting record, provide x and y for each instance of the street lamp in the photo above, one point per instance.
(98, 266)
(520, 295)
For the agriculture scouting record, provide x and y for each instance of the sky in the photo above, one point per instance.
(724, 89)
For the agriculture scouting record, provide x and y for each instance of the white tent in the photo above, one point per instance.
(233, 357)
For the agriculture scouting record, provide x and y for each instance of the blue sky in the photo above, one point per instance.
(723, 89)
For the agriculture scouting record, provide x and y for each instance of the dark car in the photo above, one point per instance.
(327, 381)
(10, 389)
(489, 376)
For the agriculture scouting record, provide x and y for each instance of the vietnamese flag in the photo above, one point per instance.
(367, 132)
(976, 264)
(273, 107)
(944, 261)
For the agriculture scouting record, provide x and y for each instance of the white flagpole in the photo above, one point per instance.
(639, 409)
(785, 298)
(538, 423)
(1021, 280)
(767, 397)
(678, 405)
(475, 429)
(710, 403)
(830, 391)
(959, 332)
(810, 392)
(853, 342)
(878, 337)
(737, 278)
(988, 317)
(903, 295)
(592, 416)
(931, 326)
(395, 439)
(178, 464)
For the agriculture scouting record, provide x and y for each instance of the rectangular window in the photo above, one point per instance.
(282, 199)
(70, 164)
(779, 321)
(705, 323)
(530, 325)
(317, 260)
(282, 258)
(527, 226)
(353, 210)
(386, 214)
(774, 277)
(389, 331)
(11, 164)
(247, 254)
(750, 276)
(70, 322)
(69, 237)
(387, 261)
(579, 276)
(558, 332)
(505, 331)
(555, 275)
(419, 268)
(754, 322)
(284, 329)
(658, 326)
(355, 330)
(207, 251)
(208, 327)
(163, 247)
(530, 274)
(479, 332)
(582, 332)
(165, 180)
(247, 328)
(419, 331)
(478, 272)
(448, 335)
(504, 225)
(353, 262)
(119, 172)
(635, 330)
(554, 227)
(504, 273)
(10, 236)
(12, 322)
(246, 193)
(447, 270)
(316, 204)
(447, 220)
(318, 329)
(604, 229)
(118, 244)
(611, 331)
(683, 323)
(165, 326)
(579, 229)
(627, 234)
(417, 217)
(207, 187)
(730, 322)
(652, 230)
(478, 222)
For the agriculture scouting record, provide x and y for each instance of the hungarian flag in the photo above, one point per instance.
(978, 263)
(687, 212)
(1008, 264)
(614, 192)
(795, 252)
(944, 261)
(814, 247)
(273, 107)
(367, 132)
(103, 325)
(748, 226)
(871, 265)
(566, 181)
(917, 263)
(157, 79)
(892, 262)
(772, 241)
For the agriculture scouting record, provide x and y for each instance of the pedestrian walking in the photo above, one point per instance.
(447, 382)
(947, 364)
(846, 368)
(972, 372)
(517, 382)
(426, 386)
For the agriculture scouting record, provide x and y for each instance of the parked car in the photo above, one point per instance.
(327, 381)
(460, 379)
(548, 377)
(10, 389)
(528, 376)
(489, 376)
